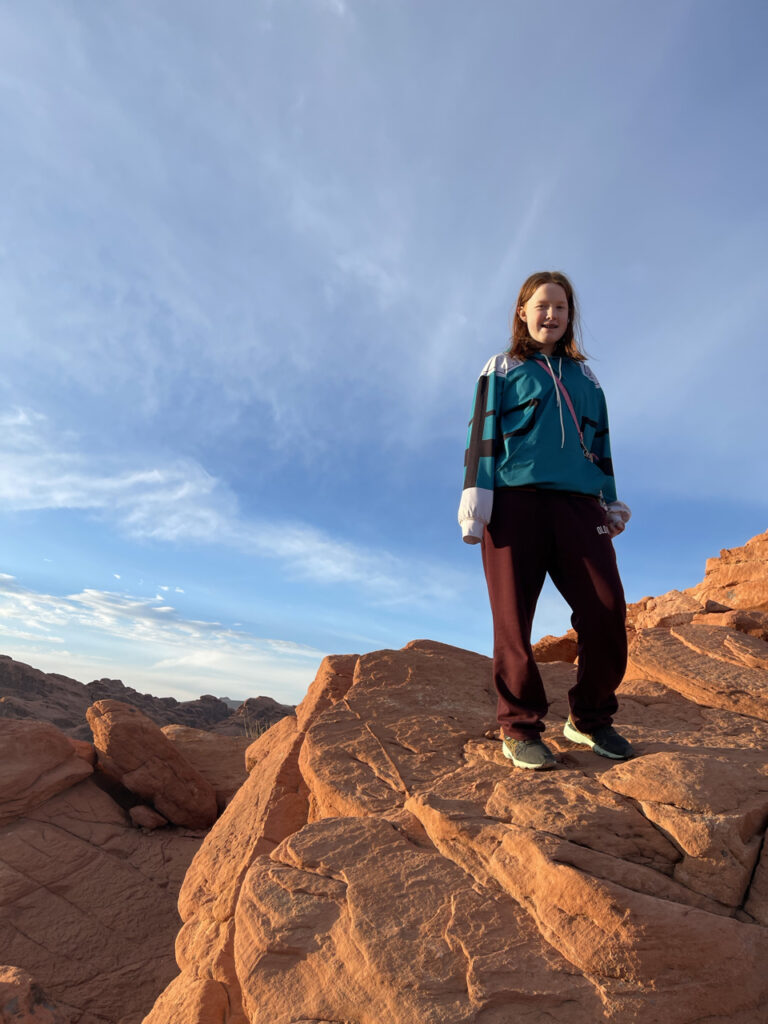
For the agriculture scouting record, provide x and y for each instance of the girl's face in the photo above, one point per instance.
(546, 315)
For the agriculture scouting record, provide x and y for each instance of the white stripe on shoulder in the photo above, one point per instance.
(501, 364)
(589, 375)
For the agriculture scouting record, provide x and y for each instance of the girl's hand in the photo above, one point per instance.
(617, 515)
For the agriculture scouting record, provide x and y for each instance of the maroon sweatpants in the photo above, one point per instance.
(532, 533)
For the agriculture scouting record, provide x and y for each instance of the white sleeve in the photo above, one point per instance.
(474, 513)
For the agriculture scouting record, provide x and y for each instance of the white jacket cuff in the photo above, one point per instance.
(472, 531)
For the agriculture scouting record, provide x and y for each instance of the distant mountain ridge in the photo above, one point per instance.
(27, 692)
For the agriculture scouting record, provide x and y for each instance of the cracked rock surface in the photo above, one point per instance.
(87, 909)
(383, 861)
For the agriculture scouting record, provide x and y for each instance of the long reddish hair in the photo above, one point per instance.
(521, 344)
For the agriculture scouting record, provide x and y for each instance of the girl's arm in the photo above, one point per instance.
(601, 450)
(617, 513)
(480, 459)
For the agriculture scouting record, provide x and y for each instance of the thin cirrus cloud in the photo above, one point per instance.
(180, 502)
(185, 655)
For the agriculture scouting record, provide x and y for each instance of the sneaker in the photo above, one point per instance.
(528, 753)
(605, 741)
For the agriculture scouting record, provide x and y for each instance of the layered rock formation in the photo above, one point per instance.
(384, 862)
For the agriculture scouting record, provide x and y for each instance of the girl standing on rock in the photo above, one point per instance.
(540, 497)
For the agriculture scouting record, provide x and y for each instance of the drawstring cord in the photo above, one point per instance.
(559, 386)
(557, 394)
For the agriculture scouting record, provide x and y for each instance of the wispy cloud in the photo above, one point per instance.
(174, 653)
(179, 502)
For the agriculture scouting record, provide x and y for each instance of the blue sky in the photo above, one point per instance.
(253, 257)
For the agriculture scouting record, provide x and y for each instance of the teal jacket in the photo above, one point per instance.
(520, 435)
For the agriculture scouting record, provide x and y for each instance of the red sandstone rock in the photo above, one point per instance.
(88, 904)
(36, 762)
(22, 1000)
(756, 903)
(738, 578)
(753, 623)
(710, 665)
(220, 759)
(557, 648)
(270, 805)
(675, 608)
(317, 909)
(713, 806)
(383, 861)
(86, 751)
(145, 817)
(331, 684)
(134, 750)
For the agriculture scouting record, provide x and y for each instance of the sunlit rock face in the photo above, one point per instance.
(383, 861)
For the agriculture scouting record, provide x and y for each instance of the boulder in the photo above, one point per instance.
(36, 762)
(383, 860)
(134, 751)
(86, 751)
(220, 759)
(557, 648)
